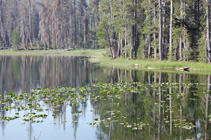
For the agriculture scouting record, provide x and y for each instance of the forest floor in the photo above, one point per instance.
(97, 57)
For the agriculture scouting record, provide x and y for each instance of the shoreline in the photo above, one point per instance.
(96, 57)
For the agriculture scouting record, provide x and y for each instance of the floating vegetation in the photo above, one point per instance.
(131, 106)
(42, 99)
(9, 118)
(185, 125)
(118, 109)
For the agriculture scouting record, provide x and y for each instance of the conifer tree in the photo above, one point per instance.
(15, 39)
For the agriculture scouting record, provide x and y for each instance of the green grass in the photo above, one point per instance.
(152, 64)
(96, 56)
(54, 52)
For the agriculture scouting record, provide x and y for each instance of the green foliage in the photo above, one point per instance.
(104, 28)
(103, 33)
(15, 39)
(53, 43)
(202, 49)
(142, 48)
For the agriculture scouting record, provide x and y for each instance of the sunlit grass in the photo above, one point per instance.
(54, 52)
(96, 56)
(151, 64)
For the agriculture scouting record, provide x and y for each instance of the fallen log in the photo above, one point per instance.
(183, 68)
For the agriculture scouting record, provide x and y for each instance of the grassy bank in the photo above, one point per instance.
(88, 53)
(97, 57)
(151, 64)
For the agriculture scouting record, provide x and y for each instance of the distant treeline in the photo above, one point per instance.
(159, 29)
(45, 24)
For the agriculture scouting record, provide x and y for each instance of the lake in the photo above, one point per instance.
(99, 102)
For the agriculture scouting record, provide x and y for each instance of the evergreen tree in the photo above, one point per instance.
(178, 29)
(15, 39)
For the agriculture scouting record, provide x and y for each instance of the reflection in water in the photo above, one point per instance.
(169, 107)
(20, 74)
(159, 106)
(23, 73)
(207, 108)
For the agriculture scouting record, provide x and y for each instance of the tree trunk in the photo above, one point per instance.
(154, 35)
(208, 30)
(160, 31)
(125, 45)
(112, 49)
(181, 31)
(125, 41)
(180, 47)
(132, 42)
(75, 24)
(133, 31)
(30, 21)
(85, 31)
(170, 33)
(149, 50)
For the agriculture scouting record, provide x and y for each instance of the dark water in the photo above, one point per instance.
(186, 101)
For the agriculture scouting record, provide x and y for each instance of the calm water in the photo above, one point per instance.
(186, 101)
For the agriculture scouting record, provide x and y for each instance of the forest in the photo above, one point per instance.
(134, 29)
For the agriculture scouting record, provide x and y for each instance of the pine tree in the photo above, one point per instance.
(15, 39)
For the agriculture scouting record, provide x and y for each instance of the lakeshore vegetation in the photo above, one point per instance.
(99, 57)
(157, 29)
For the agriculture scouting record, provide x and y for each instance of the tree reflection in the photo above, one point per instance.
(20, 74)
(166, 102)
(169, 106)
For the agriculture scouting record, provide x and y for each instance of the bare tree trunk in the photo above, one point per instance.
(180, 43)
(132, 42)
(125, 41)
(149, 49)
(75, 24)
(164, 35)
(149, 34)
(154, 35)
(125, 45)
(112, 49)
(160, 31)
(185, 44)
(208, 30)
(85, 31)
(170, 33)
(180, 47)
(110, 45)
(30, 23)
(133, 31)
(119, 48)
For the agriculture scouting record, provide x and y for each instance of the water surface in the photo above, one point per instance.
(168, 103)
